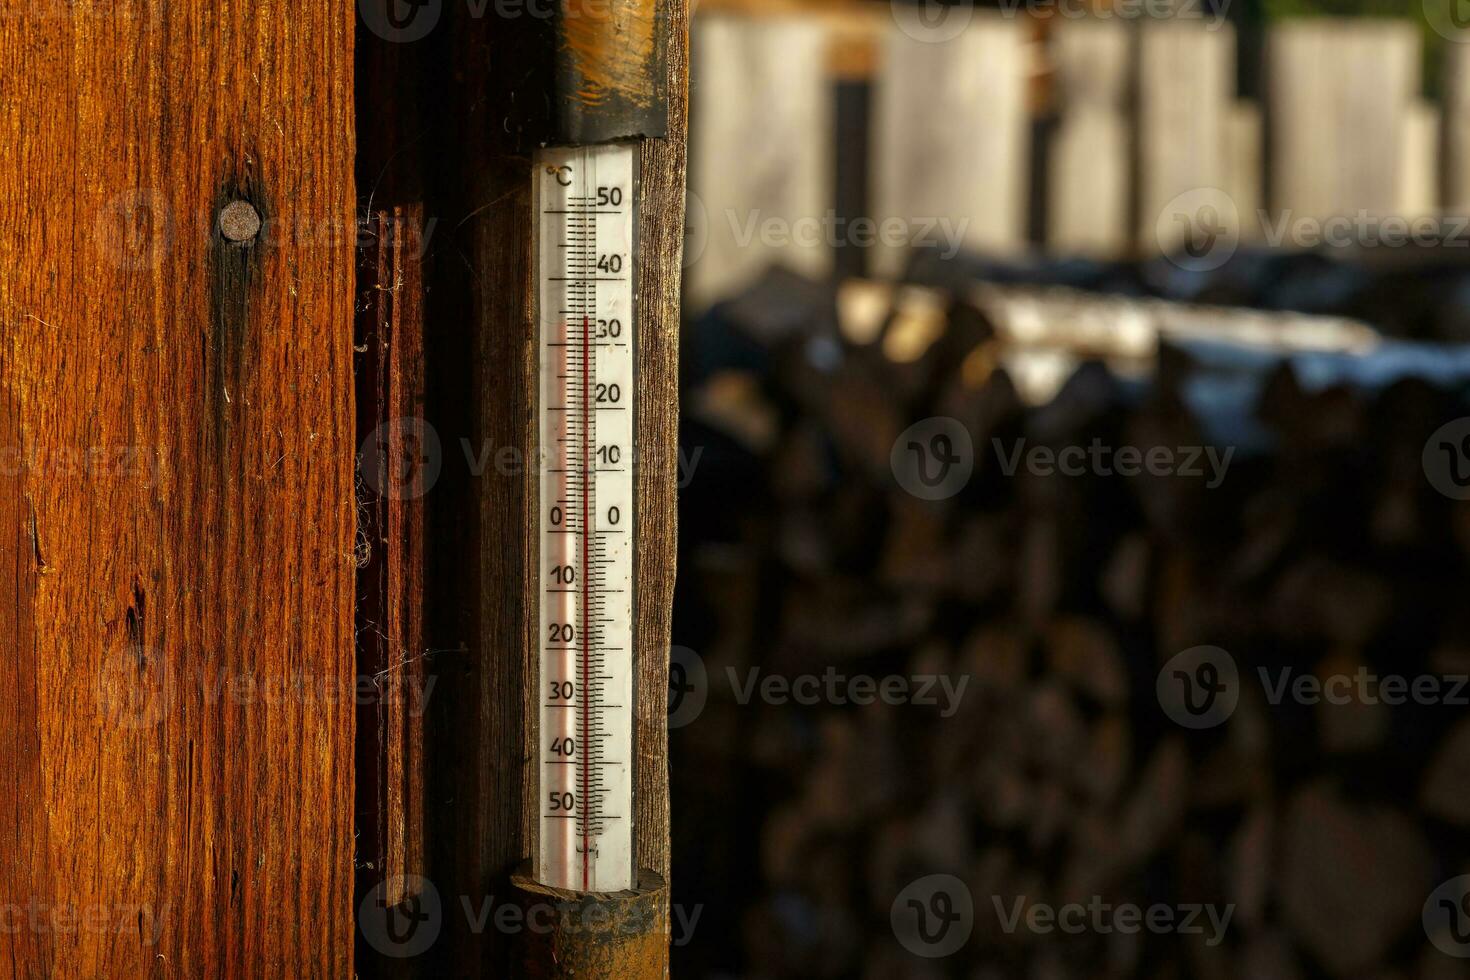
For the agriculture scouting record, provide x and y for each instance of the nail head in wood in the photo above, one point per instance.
(239, 222)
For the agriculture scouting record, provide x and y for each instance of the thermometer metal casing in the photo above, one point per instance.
(584, 255)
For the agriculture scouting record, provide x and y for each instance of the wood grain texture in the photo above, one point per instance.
(611, 47)
(663, 165)
(176, 521)
(611, 69)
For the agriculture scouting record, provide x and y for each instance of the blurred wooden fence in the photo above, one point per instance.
(1078, 136)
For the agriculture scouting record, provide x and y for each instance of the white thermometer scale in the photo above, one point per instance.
(585, 249)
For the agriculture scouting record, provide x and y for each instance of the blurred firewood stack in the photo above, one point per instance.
(1059, 777)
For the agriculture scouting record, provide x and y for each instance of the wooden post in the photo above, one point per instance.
(176, 489)
(470, 96)
(588, 934)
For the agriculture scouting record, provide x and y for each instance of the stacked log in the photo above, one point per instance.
(1058, 776)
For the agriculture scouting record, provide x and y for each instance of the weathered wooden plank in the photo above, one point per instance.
(176, 536)
(1186, 84)
(478, 347)
(1339, 92)
(663, 164)
(950, 136)
(394, 446)
(399, 458)
(762, 131)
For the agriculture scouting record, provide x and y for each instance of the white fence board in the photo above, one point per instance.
(1186, 87)
(760, 168)
(951, 137)
(1340, 92)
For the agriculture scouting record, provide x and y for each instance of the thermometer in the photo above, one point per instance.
(585, 251)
